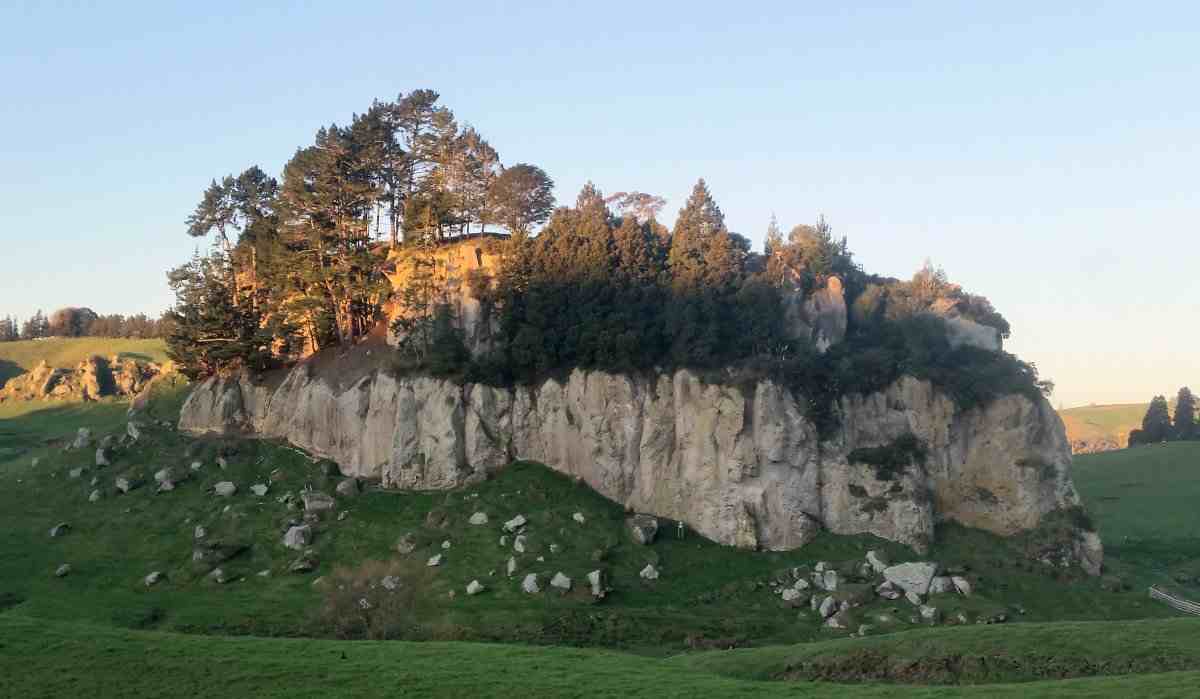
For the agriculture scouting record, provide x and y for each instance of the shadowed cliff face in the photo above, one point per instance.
(741, 465)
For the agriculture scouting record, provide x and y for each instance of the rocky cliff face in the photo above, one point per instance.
(740, 464)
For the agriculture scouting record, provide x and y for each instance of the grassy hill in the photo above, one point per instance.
(90, 628)
(1102, 427)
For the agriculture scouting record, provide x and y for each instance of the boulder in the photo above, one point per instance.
(127, 484)
(478, 518)
(83, 438)
(649, 572)
(63, 570)
(511, 567)
(515, 523)
(643, 528)
(407, 544)
(474, 587)
(163, 474)
(75, 473)
(218, 576)
(133, 430)
(829, 606)
(391, 583)
(877, 561)
(596, 580)
(930, 614)
(961, 585)
(561, 582)
(913, 598)
(912, 577)
(102, 457)
(306, 563)
(519, 543)
(225, 489)
(530, 584)
(260, 489)
(888, 590)
(59, 529)
(199, 532)
(154, 578)
(841, 619)
(940, 585)
(446, 545)
(316, 501)
(830, 580)
(298, 538)
(434, 561)
(165, 487)
(578, 517)
(793, 597)
(349, 488)
(95, 496)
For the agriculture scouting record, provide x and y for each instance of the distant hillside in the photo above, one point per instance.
(16, 358)
(1093, 428)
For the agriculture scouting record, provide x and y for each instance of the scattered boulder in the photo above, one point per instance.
(649, 572)
(840, 620)
(407, 544)
(793, 597)
(913, 598)
(199, 532)
(75, 473)
(912, 577)
(95, 496)
(512, 566)
(298, 538)
(349, 488)
(478, 518)
(434, 561)
(390, 583)
(59, 529)
(877, 561)
(218, 576)
(578, 517)
(930, 614)
(63, 570)
(474, 587)
(133, 430)
(961, 585)
(561, 582)
(102, 457)
(196, 466)
(940, 585)
(304, 564)
(596, 580)
(165, 487)
(221, 463)
(888, 590)
(530, 584)
(829, 606)
(643, 528)
(127, 485)
(260, 489)
(163, 474)
(225, 489)
(316, 501)
(515, 523)
(830, 580)
(446, 545)
(154, 578)
(83, 438)
(519, 543)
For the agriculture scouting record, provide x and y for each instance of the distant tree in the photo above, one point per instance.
(521, 197)
(641, 206)
(1156, 425)
(703, 253)
(1185, 415)
(8, 329)
(71, 322)
(35, 326)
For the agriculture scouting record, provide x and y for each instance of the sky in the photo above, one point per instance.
(1043, 154)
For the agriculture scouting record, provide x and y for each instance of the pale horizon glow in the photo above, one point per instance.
(1044, 157)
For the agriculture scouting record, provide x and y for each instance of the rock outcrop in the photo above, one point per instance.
(742, 465)
(92, 379)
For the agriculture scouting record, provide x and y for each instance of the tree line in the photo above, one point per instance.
(81, 322)
(1159, 426)
(298, 265)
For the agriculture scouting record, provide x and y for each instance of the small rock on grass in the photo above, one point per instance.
(59, 529)
(63, 570)
(530, 584)
(649, 572)
(154, 578)
(560, 581)
(434, 561)
(225, 489)
(474, 587)
(479, 518)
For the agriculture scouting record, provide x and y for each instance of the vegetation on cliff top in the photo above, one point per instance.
(299, 266)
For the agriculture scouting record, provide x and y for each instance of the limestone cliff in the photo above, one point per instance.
(93, 378)
(742, 465)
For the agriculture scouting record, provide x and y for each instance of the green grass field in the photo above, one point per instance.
(100, 630)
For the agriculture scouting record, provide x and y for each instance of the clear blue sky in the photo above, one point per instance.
(1046, 158)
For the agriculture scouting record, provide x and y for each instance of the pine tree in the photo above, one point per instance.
(1156, 425)
(703, 254)
(1185, 415)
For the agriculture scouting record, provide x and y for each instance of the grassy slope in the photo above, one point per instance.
(19, 357)
(1096, 422)
(62, 658)
(1145, 503)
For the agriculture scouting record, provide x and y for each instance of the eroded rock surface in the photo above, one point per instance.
(742, 465)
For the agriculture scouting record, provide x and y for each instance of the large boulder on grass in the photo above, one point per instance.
(643, 528)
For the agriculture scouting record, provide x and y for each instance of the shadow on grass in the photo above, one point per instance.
(8, 370)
